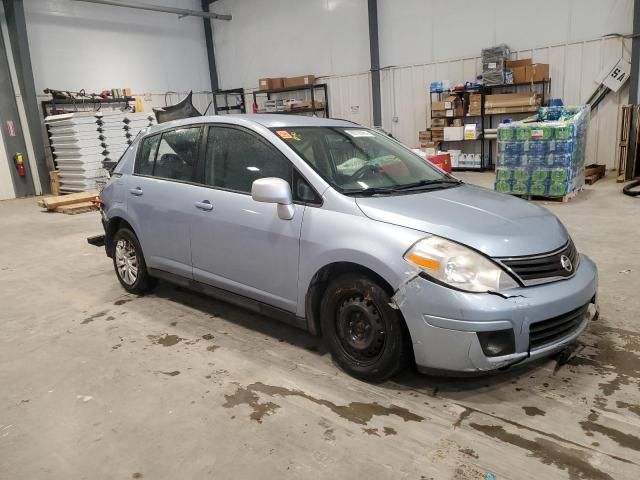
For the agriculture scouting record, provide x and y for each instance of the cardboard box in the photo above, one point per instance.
(519, 63)
(438, 113)
(457, 122)
(520, 75)
(453, 133)
(270, 83)
(437, 134)
(429, 145)
(457, 111)
(470, 131)
(440, 105)
(299, 81)
(439, 122)
(424, 135)
(537, 72)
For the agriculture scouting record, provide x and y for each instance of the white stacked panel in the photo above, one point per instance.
(115, 136)
(76, 142)
(135, 122)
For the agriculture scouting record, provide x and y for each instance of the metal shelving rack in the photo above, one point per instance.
(51, 107)
(301, 88)
(221, 101)
(484, 90)
(481, 116)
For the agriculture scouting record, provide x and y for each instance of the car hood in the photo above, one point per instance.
(497, 224)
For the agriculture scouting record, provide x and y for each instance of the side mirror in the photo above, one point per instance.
(274, 190)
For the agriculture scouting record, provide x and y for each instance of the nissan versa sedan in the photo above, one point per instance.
(341, 230)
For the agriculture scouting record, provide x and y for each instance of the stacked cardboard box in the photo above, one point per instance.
(525, 71)
(475, 104)
(451, 106)
(285, 82)
(544, 158)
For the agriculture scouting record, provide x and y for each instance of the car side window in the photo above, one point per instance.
(235, 158)
(147, 155)
(177, 152)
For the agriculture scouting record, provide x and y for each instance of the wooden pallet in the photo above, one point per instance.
(563, 199)
(76, 208)
(53, 202)
(593, 173)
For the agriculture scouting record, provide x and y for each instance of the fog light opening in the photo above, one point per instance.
(497, 343)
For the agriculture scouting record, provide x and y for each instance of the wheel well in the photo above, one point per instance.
(114, 224)
(319, 283)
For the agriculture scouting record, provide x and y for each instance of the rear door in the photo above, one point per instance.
(241, 245)
(161, 196)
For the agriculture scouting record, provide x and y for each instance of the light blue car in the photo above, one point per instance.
(341, 230)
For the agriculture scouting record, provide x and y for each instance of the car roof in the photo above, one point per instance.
(273, 120)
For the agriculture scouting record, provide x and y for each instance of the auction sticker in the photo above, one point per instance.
(283, 134)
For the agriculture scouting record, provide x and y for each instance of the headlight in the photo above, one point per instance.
(458, 266)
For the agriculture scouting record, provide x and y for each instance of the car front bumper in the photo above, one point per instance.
(444, 322)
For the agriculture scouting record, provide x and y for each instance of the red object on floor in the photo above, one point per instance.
(442, 161)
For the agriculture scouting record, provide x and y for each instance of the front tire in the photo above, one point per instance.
(365, 334)
(129, 264)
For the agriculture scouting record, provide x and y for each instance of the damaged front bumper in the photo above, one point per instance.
(444, 323)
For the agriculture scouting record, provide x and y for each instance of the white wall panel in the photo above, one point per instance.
(574, 69)
(77, 45)
(429, 31)
(284, 38)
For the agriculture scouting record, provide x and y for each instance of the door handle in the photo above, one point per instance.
(204, 205)
(136, 191)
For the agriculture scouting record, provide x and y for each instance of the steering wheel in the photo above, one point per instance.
(362, 170)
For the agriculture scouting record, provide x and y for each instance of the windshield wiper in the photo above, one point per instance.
(370, 191)
(426, 183)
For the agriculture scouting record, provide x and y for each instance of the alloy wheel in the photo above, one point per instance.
(126, 261)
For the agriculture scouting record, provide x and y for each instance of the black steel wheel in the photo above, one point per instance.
(365, 334)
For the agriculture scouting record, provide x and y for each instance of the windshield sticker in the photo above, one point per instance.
(284, 134)
(359, 133)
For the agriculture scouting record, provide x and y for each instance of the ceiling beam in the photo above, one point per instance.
(183, 12)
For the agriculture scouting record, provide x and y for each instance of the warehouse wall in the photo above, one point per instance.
(574, 68)
(431, 31)
(284, 38)
(77, 45)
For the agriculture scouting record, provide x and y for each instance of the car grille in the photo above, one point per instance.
(548, 331)
(547, 267)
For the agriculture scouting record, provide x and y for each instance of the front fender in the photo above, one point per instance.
(377, 246)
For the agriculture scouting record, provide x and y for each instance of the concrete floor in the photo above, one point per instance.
(98, 384)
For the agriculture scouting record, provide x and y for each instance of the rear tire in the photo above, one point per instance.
(129, 264)
(364, 333)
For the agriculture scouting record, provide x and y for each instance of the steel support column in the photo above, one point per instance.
(211, 56)
(374, 49)
(14, 13)
(634, 87)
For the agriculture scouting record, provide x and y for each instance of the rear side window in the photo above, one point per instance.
(170, 155)
(147, 155)
(176, 155)
(236, 158)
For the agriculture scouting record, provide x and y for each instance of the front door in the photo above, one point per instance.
(241, 245)
(161, 198)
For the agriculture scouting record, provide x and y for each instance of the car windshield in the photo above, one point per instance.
(362, 161)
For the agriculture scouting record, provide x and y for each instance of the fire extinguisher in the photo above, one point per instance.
(19, 161)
